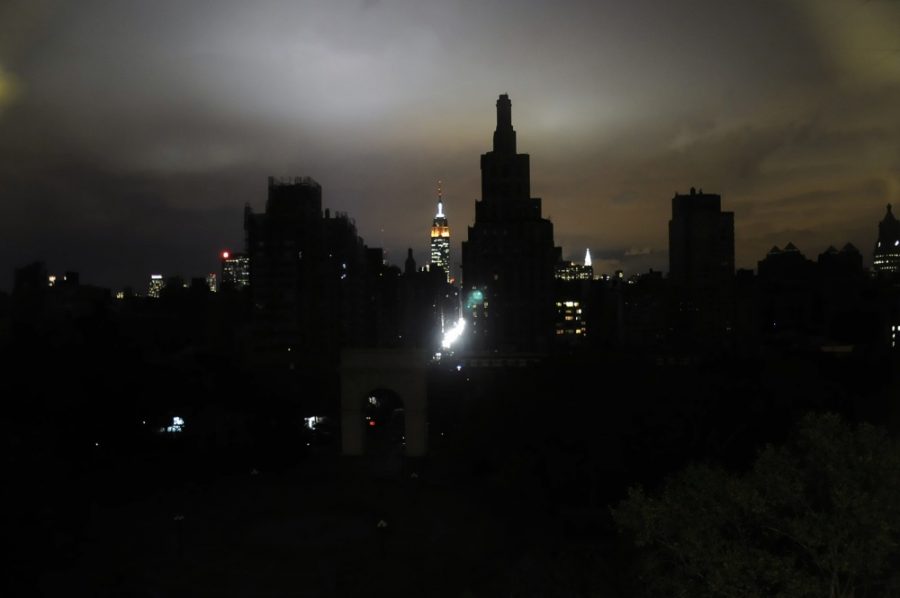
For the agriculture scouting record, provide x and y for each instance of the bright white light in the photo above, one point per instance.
(177, 425)
(312, 422)
(452, 335)
(587, 258)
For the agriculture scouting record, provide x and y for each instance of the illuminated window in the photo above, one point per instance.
(176, 426)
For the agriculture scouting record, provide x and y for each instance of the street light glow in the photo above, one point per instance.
(453, 334)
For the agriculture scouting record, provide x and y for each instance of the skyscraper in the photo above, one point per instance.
(886, 259)
(310, 278)
(701, 241)
(509, 257)
(440, 238)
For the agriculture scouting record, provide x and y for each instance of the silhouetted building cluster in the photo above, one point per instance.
(215, 379)
(313, 282)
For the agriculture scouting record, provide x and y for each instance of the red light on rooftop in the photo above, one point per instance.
(371, 423)
(225, 255)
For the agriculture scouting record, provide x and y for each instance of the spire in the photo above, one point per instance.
(410, 265)
(587, 258)
(440, 212)
(505, 135)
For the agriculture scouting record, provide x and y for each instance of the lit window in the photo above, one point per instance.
(176, 426)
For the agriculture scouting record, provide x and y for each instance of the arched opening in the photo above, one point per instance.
(384, 424)
(397, 381)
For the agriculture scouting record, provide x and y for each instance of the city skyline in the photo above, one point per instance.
(132, 136)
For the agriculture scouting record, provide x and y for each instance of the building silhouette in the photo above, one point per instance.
(310, 279)
(509, 257)
(701, 241)
(440, 238)
(886, 260)
(701, 271)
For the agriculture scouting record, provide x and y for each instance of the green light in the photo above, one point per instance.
(476, 297)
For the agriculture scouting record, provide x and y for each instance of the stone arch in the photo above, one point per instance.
(402, 372)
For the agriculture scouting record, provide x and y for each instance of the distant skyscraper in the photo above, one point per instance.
(235, 270)
(887, 248)
(211, 282)
(157, 284)
(440, 238)
(509, 257)
(574, 271)
(701, 241)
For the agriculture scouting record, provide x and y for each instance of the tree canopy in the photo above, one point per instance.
(817, 516)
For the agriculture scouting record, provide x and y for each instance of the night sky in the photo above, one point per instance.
(132, 133)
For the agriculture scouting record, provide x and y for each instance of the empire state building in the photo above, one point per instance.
(440, 238)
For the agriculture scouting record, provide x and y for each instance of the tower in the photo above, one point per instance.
(701, 269)
(509, 257)
(886, 259)
(440, 237)
(309, 277)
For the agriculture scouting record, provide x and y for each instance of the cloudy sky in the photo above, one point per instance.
(133, 132)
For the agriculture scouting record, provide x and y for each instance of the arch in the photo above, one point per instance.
(402, 372)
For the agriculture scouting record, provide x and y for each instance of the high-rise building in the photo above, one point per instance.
(509, 258)
(311, 278)
(886, 259)
(440, 238)
(235, 270)
(157, 284)
(211, 282)
(701, 241)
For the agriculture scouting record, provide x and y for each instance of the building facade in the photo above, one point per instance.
(235, 271)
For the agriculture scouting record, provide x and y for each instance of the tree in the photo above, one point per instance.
(819, 516)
